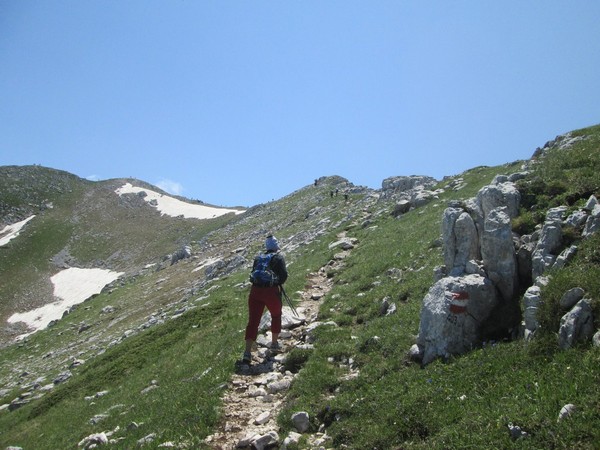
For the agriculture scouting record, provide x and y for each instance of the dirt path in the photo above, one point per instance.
(257, 393)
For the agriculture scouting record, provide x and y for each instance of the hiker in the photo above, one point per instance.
(265, 294)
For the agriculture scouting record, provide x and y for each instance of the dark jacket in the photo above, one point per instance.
(277, 265)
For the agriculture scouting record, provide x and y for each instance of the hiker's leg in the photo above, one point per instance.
(273, 302)
(255, 310)
(274, 337)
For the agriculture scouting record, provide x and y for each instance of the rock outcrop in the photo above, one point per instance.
(408, 192)
(487, 267)
(452, 313)
(480, 278)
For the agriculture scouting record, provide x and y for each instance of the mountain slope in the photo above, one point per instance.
(80, 224)
(153, 354)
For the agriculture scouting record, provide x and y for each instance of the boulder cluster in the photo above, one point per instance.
(476, 295)
(408, 192)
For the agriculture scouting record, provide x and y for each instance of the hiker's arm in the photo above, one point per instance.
(280, 268)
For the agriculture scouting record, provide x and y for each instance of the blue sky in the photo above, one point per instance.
(241, 102)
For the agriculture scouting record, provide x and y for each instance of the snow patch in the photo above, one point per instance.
(173, 207)
(12, 231)
(72, 286)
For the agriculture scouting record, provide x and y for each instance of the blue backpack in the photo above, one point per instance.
(262, 275)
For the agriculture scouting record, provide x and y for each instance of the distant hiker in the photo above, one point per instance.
(331, 194)
(316, 181)
(268, 274)
(346, 196)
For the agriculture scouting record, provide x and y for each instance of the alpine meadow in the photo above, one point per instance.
(123, 312)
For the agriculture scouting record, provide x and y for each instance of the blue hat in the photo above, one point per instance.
(271, 243)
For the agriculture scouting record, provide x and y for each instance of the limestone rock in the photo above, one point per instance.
(93, 440)
(415, 354)
(571, 297)
(146, 439)
(452, 313)
(577, 219)
(499, 195)
(449, 236)
(288, 319)
(531, 303)
(566, 411)
(183, 253)
(591, 203)
(592, 224)
(265, 441)
(344, 244)
(576, 325)
(262, 418)
(549, 242)
(402, 207)
(498, 253)
(292, 439)
(596, 339)
(516, 432)
(467, 242)
(301, 421)
(394, 186)
(565, 256)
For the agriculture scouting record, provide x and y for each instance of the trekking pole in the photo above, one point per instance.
(289, 302)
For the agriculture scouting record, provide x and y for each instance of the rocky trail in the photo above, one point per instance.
(257, 392)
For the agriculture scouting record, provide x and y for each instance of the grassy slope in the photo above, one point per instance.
(96, 226)
(190, 357)
(466, 403)
(469, 402)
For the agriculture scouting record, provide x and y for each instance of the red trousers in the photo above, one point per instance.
(259, 298)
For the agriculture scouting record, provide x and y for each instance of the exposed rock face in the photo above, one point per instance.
(408, 191)
(531, 304)
(562, 141)
(498, 252)
(183, 253)
(571, 297)
(402, 207)
(546, 244)
(461, 240)
(396, 185)
(482, 275)
(499, 195)
(549, 242)
(592, 224)
(452, 313)
(486, 265)
(576, 325)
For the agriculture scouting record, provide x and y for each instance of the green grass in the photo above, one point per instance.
(466, 402)
(189, 357)
(564, 177)
(583, 272)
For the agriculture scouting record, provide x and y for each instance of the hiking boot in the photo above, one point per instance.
(247, 358)
(274, 349)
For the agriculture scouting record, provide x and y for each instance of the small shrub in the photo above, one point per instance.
(525, 223)
(296, 359)
(570, 236)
